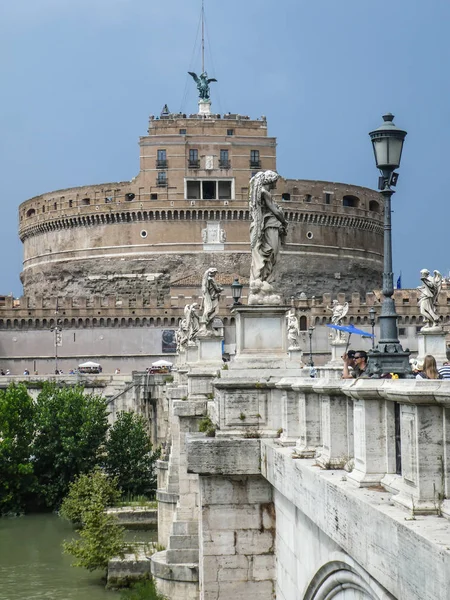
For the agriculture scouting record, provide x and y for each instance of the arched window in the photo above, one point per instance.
(303, 323)
(31, 212)
(350, 201)
(374, 206)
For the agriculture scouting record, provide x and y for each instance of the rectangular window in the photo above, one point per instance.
(162, 178)
(182, 131)
(161, 159)
(193, 190)
(255, 163)
(194, 162)
(224, 190)
(230, 131)
(70, 203)
(224, 162)
(153, 196)
(327, 198)
(209, 190)
(308, 198)
(402, 331)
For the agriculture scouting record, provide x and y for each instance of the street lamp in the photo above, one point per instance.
(236, 291)
(372, 323)
(311, 362)
(388, 356)
(57, 331)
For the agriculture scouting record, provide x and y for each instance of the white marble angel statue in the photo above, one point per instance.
(211, 291)
(181, 336)
(192, 322)
(293, 330)
(428, 298)
(267, 232)
(339, 311)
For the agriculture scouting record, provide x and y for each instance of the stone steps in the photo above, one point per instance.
(183, 542)
(182, 556)
(185, 528)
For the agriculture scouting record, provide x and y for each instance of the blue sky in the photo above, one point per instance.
(80, 78)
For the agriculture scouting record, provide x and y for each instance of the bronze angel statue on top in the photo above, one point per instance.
(202, 82)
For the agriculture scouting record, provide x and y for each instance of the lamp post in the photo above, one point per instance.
(388, 356)
(311, 362)
(372, 323)
(236, 291)
(57, 331)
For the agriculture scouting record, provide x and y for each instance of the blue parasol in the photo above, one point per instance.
(350, 329)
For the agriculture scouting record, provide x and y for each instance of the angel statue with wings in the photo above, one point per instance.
(339, 311)
(202, 82)
(428, 298)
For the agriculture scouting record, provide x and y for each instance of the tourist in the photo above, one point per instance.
(8, 372)
(429, 370)
(444, 371)
(26, 372)
(349, 364)
(117, 372)
(359, 365)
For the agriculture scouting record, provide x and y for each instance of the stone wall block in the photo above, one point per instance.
(218, 542)
(254, 542)
(262, 567)
(235, 517)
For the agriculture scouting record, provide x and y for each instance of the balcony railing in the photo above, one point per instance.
(255, 164)
(161, 164)
(224, 164)
(161, 182)
(194, 164)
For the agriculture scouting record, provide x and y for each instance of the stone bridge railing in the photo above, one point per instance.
(393, 433)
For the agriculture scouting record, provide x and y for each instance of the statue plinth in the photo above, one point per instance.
(337, 350)
(260, 333)
(432, 341)
(296, 355)
(204, 107)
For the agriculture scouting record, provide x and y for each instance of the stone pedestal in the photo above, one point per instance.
(204, 107)
(210, 349)
(295, 355)
(335, 451)
(432, 342)
(260, 333)
(337, 350)
(191, 354)
(308, 420)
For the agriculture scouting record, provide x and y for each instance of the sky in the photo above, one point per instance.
(79, 79)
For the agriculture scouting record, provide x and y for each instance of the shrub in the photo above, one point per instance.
(144, 590)
(101, 538)
(86, 491)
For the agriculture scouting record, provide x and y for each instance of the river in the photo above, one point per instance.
(33, 566)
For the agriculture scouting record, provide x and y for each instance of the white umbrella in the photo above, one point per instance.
(89, 365)
(162, 363)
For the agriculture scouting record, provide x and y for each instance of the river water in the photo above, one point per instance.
(33, 567)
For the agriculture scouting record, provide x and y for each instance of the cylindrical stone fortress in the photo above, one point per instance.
(187, 210)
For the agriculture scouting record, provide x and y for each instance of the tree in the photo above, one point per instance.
(17, 481)
(129, 455)
(86, 491)
(71, 430)
(101, 538)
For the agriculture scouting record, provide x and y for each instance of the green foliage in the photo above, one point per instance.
(17, 479)
(129, 455)
(71, 430)
(100, 539)
(144, 590)
(207, 426)
(88, 490)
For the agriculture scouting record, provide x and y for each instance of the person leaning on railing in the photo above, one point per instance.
(358, 364)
